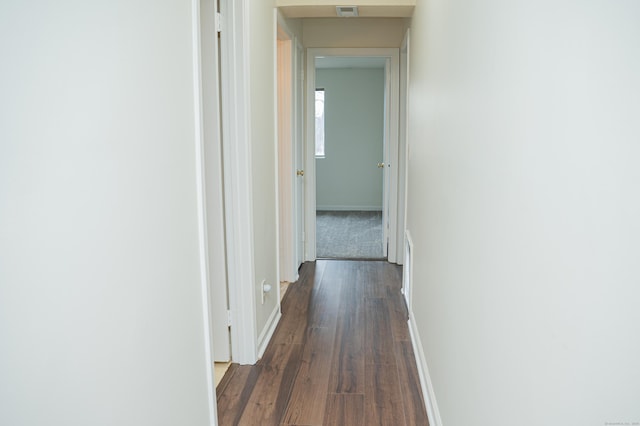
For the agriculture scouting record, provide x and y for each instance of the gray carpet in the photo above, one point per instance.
(349, 234)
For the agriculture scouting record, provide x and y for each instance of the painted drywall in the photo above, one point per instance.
(101, 317)
(262, 39)
(294, 25)
(360, 32)
(523, 205)
(348, 177)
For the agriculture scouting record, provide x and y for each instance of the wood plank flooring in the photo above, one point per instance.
(341, 355)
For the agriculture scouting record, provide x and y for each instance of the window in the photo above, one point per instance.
(319, 123)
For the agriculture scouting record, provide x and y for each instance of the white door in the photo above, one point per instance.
(299, 154)
(385, 167)
(221, 339)
(288, 176)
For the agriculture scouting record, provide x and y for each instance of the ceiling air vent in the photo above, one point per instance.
(347, 11)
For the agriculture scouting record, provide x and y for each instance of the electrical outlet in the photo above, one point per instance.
(266, 288)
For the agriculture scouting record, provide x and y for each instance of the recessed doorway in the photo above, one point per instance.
(352, 187)
(350, 136)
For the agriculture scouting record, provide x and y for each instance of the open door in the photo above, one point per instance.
(211, 119)
(385, 164)
(287, 176)
(299, 153)
(291, 171)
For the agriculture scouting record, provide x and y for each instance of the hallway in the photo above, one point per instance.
(341, 355)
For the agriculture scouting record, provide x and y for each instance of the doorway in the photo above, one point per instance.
(384, 166)
(350, 143)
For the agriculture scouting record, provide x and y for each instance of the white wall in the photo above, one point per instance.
(101, 318)
(360, 32)
(263, 152)
(293, 25)
(348, 178)
(524, 206)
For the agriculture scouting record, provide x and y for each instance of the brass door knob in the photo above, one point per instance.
(299, 172)
(380, 165)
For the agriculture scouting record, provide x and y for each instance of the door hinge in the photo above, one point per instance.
(218, 22)
(228, 318)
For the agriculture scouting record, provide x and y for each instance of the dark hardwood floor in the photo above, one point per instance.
(341, 355)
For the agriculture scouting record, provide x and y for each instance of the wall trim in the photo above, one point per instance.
(350, 208)
(268, 330)
(423, 371)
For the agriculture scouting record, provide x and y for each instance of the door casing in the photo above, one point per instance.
(391, 146)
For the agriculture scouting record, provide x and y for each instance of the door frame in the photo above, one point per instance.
(236, 143)
(391, 144)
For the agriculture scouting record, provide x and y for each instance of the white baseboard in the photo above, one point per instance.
(350, 208)
(423, 371)
(268, 330)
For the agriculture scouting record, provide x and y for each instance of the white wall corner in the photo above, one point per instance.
(268, 330)
(423, 371)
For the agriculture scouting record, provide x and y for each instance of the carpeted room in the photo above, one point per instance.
(349, 183)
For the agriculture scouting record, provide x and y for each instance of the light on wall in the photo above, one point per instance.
(347, 11)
